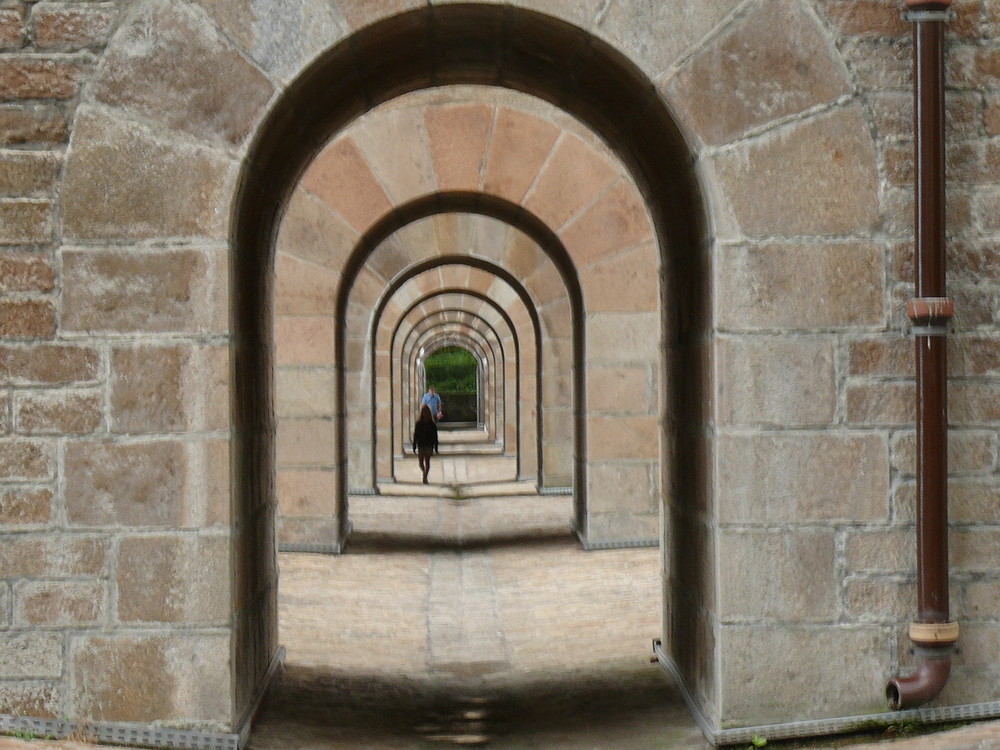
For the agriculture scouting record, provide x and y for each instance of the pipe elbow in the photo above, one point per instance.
(923, 685)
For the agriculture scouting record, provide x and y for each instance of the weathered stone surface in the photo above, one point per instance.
(25, 221)
(621, 337)
(311, 230)
(27, 319)
(48, 364)
(572, 177)
(887, 403)
(622, 487)
(788, 381)
(110, 677)
(773, 478)
(52, 556)
(25, 508)
(26, 272)
(974, 550)
(306, 492)
(342, 178)
(394, 143)
(40, 699)
(458, 135)
(32, 123)
(28, 172)
(281, 38)
(881, 356)
(63, 413)
(123, 181)
(169, 388)
(304, 393)
(176, 579)
(155, 68)
(304, 341)
(616, 221)
(865, 18)
(798, 672)
(627, 282)
(780, 575)
(800, 286)
(519, 146)
(148, 291)
(59, 603)
(742, 79)
(128, 484)
(303, 288)
(12, 29)
(889, 550)
(72, 27)
(31, 655)
(654, 33)
(306, 441)
(40, 78)
(22, 459)
(968, 451)
(623, 438)
(814, 177)
(620, 389)
(880, 600)
(362, 12)
(974, 403)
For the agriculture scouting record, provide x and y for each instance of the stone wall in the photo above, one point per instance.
(754, 316)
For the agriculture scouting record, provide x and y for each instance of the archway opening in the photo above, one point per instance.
(536, 54)
(455, 373)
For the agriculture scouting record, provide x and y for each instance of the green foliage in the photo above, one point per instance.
(452, 371)
(758, 741)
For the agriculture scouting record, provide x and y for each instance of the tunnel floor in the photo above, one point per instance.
(470, 616)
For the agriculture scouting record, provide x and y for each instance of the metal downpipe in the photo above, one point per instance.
(932, 633)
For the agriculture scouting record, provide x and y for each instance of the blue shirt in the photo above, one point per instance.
(434, 402)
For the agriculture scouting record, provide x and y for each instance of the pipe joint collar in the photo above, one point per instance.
(922, 16)
(929, 311)
(934, 633)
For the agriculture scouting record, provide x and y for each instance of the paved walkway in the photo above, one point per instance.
(471, 617)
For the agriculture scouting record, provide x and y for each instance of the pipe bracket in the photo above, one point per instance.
(921, 16)
(934, 633)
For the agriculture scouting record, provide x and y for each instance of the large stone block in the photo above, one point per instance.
(813, 177)
(621, 487)
(571, 179)
(31, 655)
(306, 492)
(306, 392)
(48, 556)
(458, 135)
(304, 340)
(31, 77)
(175, 579)
(786, 381)
(968, 452)
(620, 389)
(305, 442)
(26, 460)
(774, 675)
(519, 145)
(39, 699)
(284, 40)
(623, 337)
(125, 484)
(110, 678)
(403, 164)
(27, 172)
(313, 231)
(59, 414)
(799, 286)
(742, 79)
(616, 221)
(26, 319)
(975, 550)
(623, 437)
(157, 389)
(48, 364)
(881, 404)
(26, 272)
(654, 34)
(879, 600)
(59, 603)
(156, 56)
(122, 291)
(788, 576)
(69, 28)
(25, 508)
(303, 288)
(342, 178)
(783, 477)
(887, 550)
(628, 282)
(123, 181)
(35, 123)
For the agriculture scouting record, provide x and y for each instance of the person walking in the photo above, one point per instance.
(425, 439)
(433, 401)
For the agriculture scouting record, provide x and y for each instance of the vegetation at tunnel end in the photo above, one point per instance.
(452, 371)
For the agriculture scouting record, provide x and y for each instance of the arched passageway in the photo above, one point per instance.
(480, 45)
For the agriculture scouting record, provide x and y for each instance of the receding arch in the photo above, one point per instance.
(461, 43)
